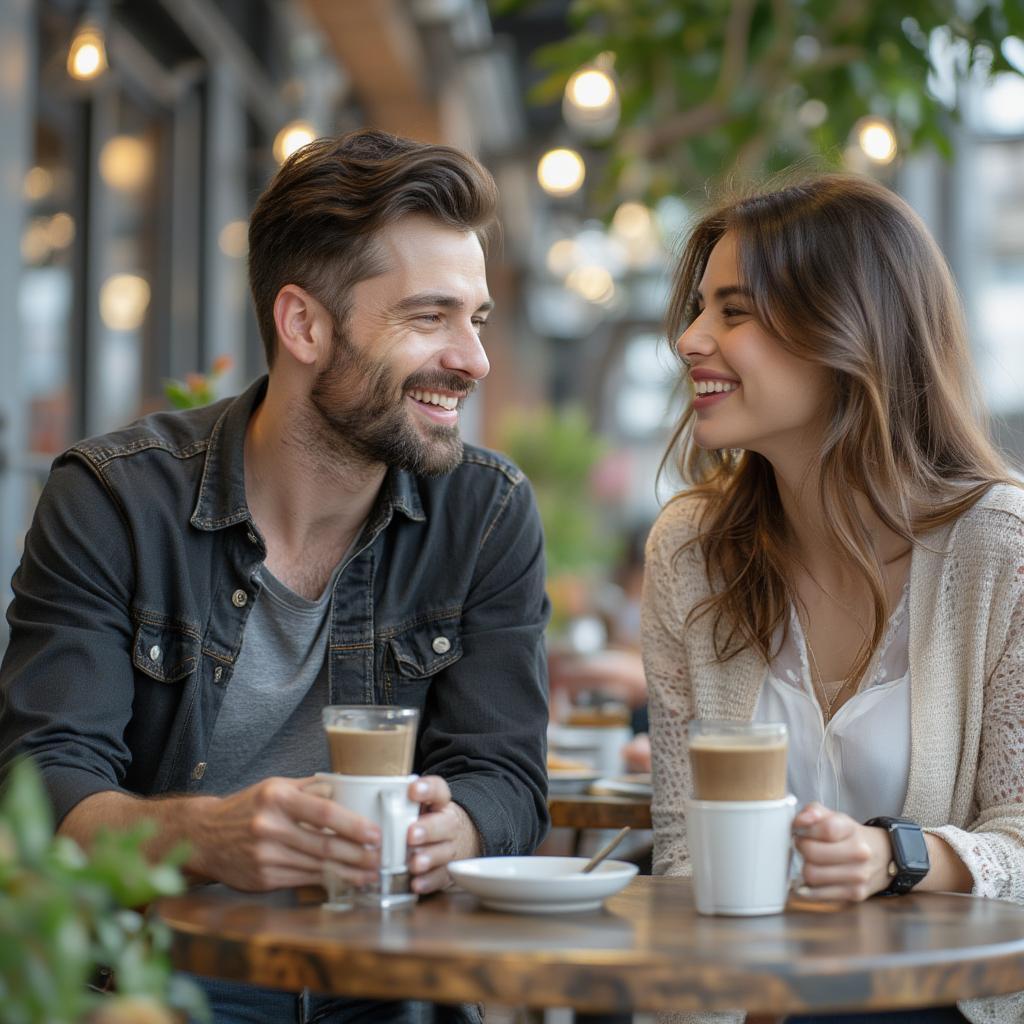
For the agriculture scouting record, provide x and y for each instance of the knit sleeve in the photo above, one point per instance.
(992, 846)
(663, 629)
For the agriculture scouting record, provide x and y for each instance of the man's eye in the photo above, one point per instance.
(430, 318)
(479, 323)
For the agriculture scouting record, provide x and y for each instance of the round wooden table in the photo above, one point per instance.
(646, 950)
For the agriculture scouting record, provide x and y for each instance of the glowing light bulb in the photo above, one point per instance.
(291, 138)
(877, 140)
(561, 172)
(87, 55)
(590, 89)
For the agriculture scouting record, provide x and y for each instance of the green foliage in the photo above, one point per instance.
(558, 451)
(716, 87)
(64, 914)
(197, 389)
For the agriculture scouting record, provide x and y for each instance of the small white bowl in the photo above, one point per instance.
(540, 885)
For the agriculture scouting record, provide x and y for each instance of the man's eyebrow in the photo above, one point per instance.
(726, 292)
(437, 299)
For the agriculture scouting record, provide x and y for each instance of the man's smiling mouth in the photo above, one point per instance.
(449, 402)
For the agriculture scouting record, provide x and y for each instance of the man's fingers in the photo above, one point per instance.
(304, 806)
(432, 881)
(431, 789)
(434, 827)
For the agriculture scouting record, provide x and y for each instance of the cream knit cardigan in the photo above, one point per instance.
(967, 692)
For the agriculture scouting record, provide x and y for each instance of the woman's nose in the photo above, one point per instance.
(696, 340)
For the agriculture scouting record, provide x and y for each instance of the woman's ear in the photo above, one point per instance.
(304, 327)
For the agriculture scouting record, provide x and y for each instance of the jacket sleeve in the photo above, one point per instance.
(992, 846)
(669, 688)
(66, 682)
(485, 728)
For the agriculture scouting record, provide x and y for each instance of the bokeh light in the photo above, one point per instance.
(87, 55)
(591, 89)
(234, 239)
(291, 138)
(876, 138)
(126, 163)
(124, 299)
(561, 172)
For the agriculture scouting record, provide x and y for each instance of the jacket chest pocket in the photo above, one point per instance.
(165, 653)
(414, 656)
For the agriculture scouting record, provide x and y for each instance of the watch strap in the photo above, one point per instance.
(902, 877)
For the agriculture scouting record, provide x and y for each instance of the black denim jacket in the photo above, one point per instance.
(138, 577)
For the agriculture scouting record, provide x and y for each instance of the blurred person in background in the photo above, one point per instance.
(848, 557)
(197, 586)
(614, 674)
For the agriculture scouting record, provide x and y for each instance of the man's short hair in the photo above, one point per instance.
(315, 224)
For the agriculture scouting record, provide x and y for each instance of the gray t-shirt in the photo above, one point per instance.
(269, 723)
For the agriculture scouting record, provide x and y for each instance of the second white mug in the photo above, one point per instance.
(740, 851)
(384, 799)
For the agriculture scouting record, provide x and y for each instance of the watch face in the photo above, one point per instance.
(909, 847)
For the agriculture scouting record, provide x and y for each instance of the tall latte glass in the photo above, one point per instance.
(371, 751)
(739, 817)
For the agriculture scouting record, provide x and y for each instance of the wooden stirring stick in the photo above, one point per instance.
(605, 850)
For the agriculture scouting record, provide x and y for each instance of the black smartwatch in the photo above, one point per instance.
(909, 862)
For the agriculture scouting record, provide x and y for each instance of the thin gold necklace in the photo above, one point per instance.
(818, 685)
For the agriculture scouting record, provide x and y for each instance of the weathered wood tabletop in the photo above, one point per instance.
(646, 950)
(584, 811)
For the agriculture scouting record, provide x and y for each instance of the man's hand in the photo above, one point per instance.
(443, 833)
(278, 833)
(843, 860)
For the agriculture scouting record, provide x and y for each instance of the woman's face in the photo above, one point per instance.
(749, 391)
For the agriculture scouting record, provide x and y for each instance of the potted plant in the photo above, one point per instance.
(65, 915)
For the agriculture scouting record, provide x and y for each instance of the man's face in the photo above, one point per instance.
(410, 351)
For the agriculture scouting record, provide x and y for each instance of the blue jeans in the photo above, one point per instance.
(236, 1003)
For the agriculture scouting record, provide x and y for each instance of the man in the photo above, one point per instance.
(197, 586)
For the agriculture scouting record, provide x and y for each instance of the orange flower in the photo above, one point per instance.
(221, 365)
(195, 381)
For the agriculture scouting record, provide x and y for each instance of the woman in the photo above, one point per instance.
(848, 554)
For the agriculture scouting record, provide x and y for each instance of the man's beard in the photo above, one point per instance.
(361, 409)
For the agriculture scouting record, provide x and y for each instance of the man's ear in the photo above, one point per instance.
(304, 326)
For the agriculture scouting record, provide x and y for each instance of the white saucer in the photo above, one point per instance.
(624, 785)
(540, 885)
(571, 780)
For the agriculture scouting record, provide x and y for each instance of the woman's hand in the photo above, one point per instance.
(843, 860)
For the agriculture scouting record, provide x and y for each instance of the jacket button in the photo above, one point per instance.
(217, 673)
(154, 653)
(239, 598)
(253, 539)
(441, 645)
(199, 771)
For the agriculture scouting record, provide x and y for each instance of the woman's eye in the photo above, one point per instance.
(733, 311)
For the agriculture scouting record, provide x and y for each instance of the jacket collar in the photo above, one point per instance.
(221, 500)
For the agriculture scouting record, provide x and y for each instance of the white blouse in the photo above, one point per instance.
(860, 762)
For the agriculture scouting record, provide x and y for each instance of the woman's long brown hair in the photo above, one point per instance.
(843, 274)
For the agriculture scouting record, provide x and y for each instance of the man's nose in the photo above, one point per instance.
(466, 355)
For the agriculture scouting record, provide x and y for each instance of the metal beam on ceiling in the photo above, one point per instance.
(378, 46)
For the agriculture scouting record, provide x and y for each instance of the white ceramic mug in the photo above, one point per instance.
(384, 800)
(740, 851)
